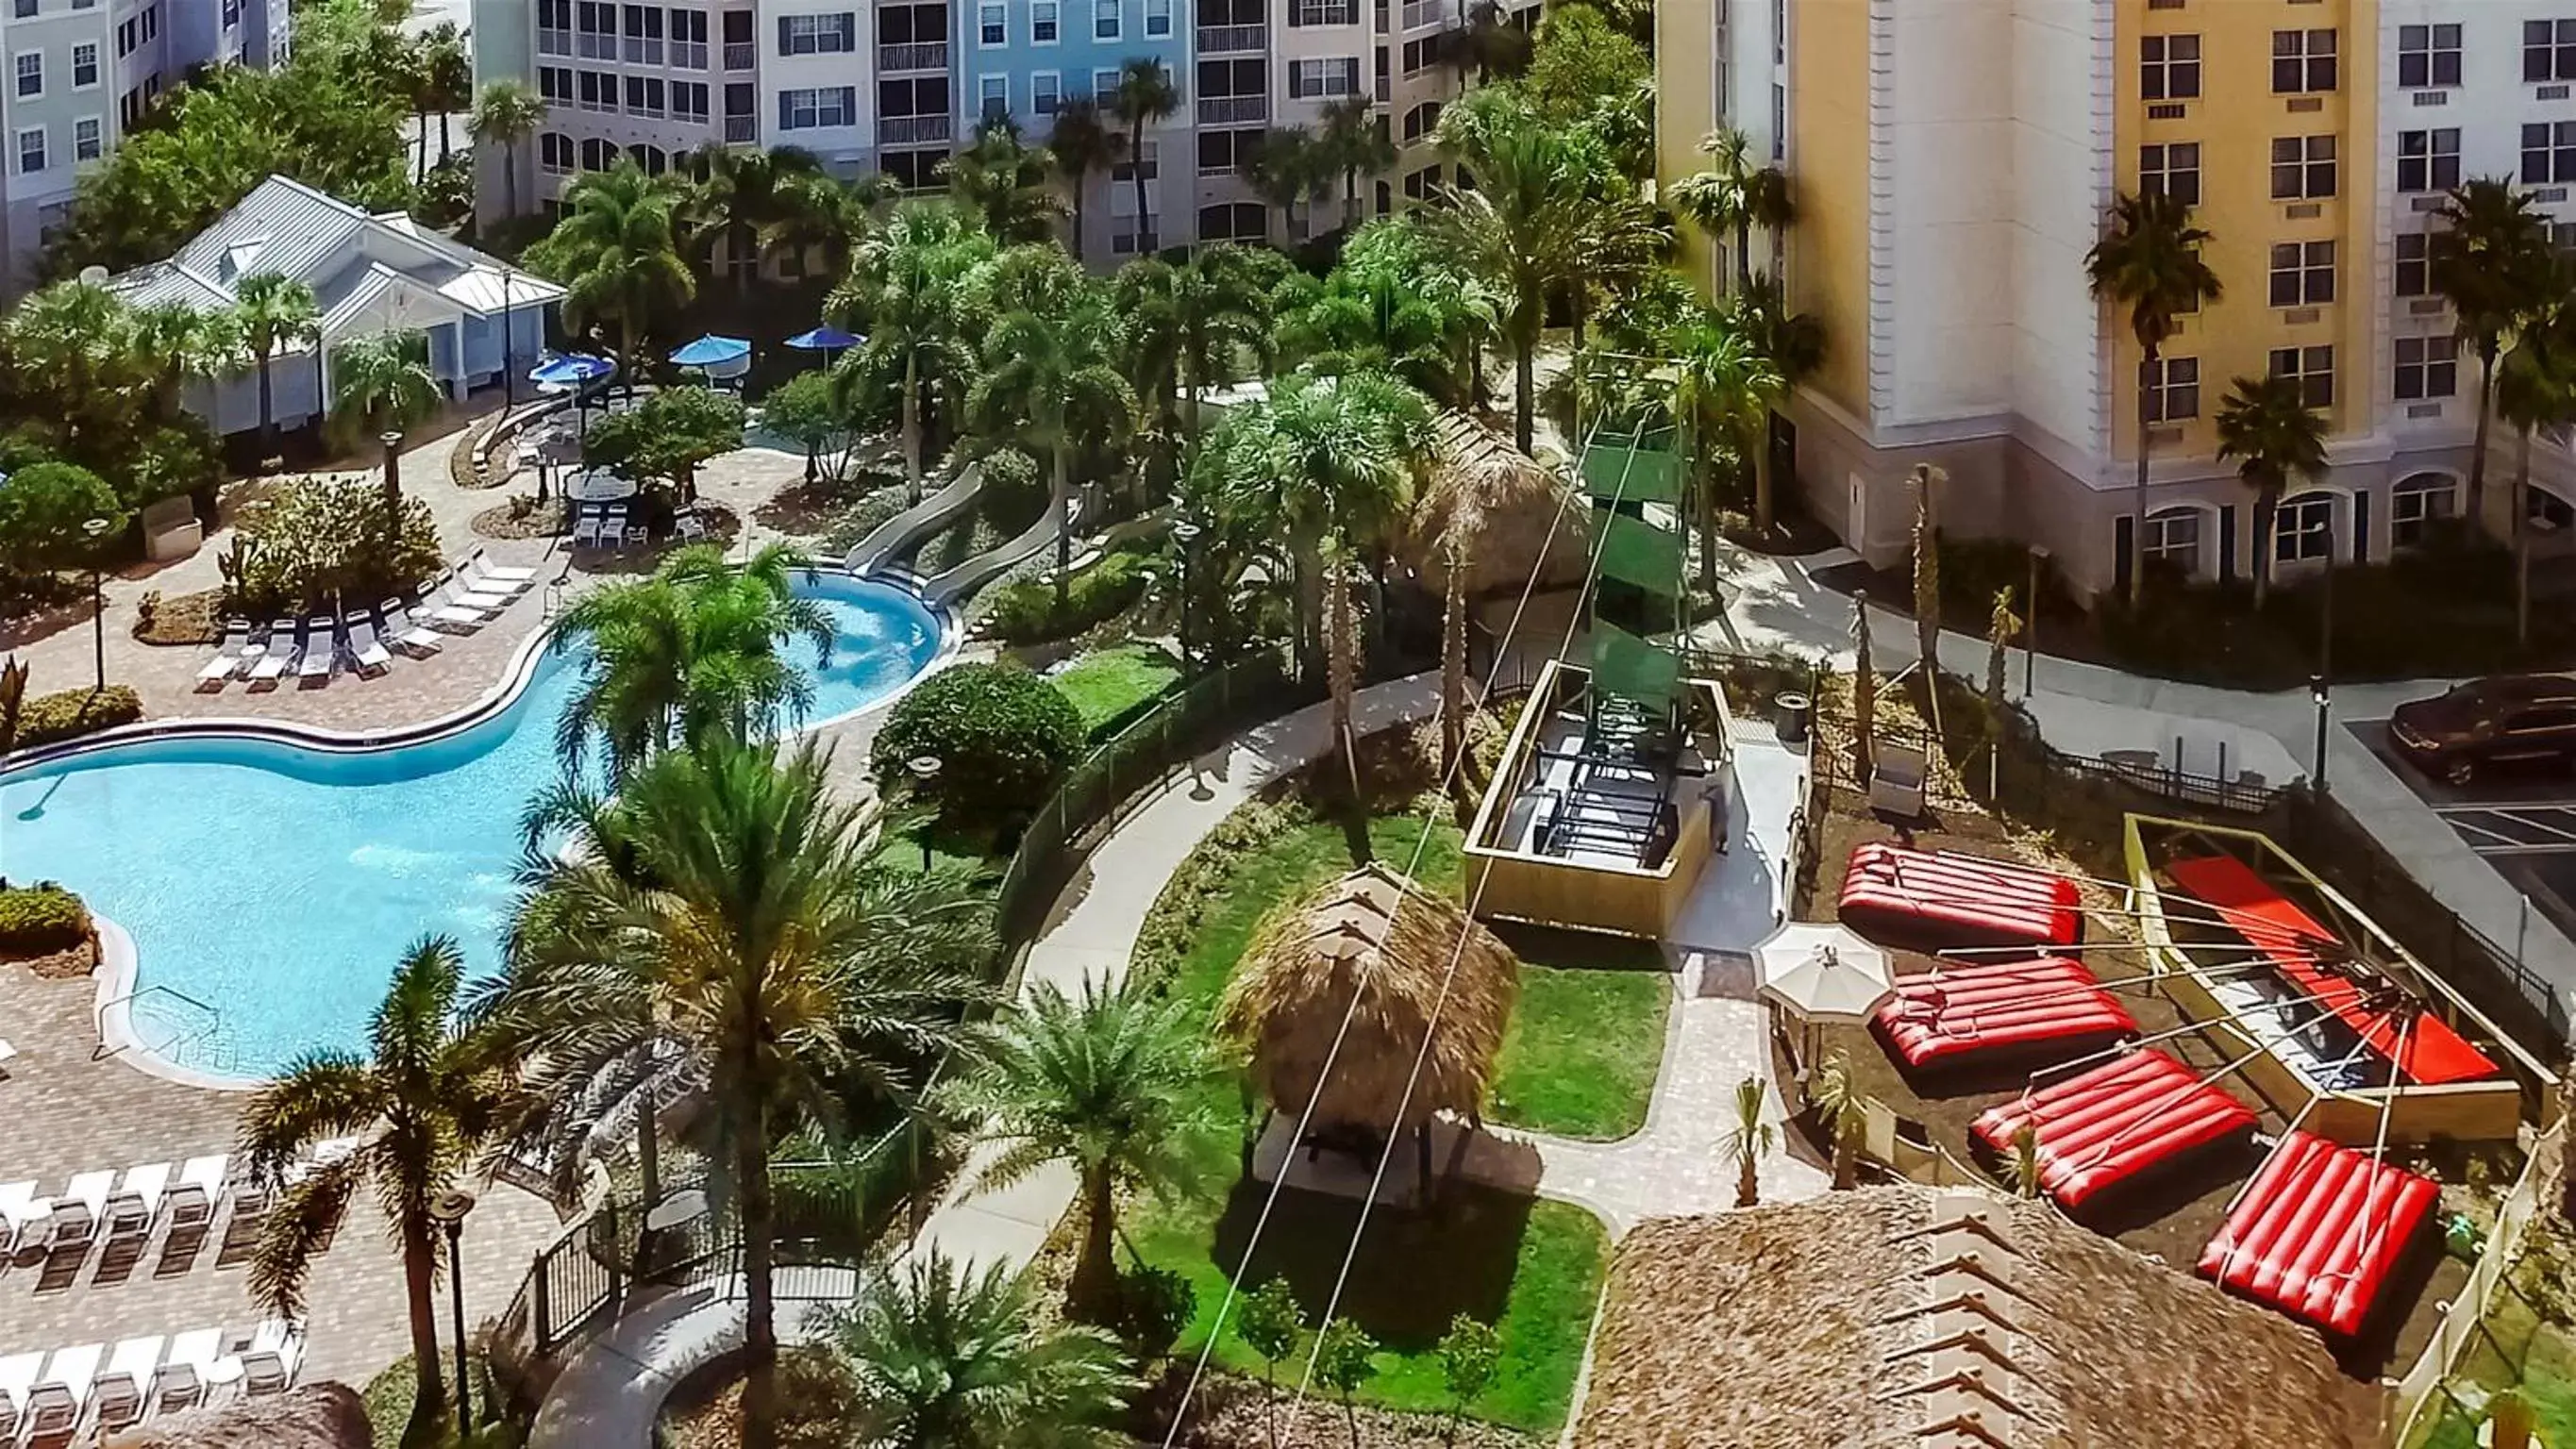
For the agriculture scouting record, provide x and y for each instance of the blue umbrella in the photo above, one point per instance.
(824, 339)
(570, 370)
(711, 352)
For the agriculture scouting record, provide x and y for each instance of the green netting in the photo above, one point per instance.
(1637, 552)
(1632, 469)
(1627, 667)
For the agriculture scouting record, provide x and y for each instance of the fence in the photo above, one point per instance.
(2489, 1336)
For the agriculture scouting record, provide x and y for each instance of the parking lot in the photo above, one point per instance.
(2523, 822)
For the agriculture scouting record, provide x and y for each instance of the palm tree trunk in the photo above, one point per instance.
(739, 245)
(1524, 390)
(648, 1153)
(1136, 162)
(759, 1326)
(2138, 522)
(1757, 461)
(2521, 506)
(2266, 505)
(911, 427)
(445, 148)
(1080, 185)
(510, 175)
(1341, 670)
(267, 414)
(1095, 1272)
(1063, 502)
(420, 1275)
(1453, 664)
(420, 154)
(1743, 252)
(1748, 1180)
(2478, 447)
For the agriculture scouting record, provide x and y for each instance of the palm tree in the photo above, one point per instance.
(1144, 96)
(723, 901)
(184, 346)
(2535, 392)
(1374, 320)
(915, 288)
(941, 1355)
(695, 653)
(738, 196)
(1051, 381)
(1199, 321)
(1719, 200)
(421, 1101)
(505, 115)
(447, 79)
(1104, 1082)
(617, 253)
(1723, 389)
(1005, 182)
(1080, 144)
(2149, 261)
(79, 340)
(1838, 1100)
(1490, 45)
(1291, 166)
(275, 314)
(382, 381)
(1354, 140)
(823, 213)
(2268, 430)
(1751, 1139)
(2491, 260)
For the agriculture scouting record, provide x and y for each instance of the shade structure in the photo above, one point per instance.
(711, 352)
(824, 339)
(1818, 972)
(569, 370)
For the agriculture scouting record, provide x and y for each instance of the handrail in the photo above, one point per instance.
(176, 1049)
(907, 530)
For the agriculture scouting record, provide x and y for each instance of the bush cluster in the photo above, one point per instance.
(1025, 611)
(50, 719)
(1003, 737)
(40, 919)
(319, 543)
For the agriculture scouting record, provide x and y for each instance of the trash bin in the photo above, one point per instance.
(1795, 712)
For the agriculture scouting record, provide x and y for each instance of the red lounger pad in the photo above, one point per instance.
(2103, 1126)
(2421, 1044)
(1948, 899)
(2319, 1231)
(1961, 1011)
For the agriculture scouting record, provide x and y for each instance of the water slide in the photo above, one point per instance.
(898, 536)
(983, 568)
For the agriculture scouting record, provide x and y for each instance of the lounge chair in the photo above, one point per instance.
(121, 1392)
(181, 1379)
(324, 1153)
(276, 660)
(21, 1213)
(276, 1351)
(585, 530)
(406, 633)
(199, 1190)
(692, 528)
(476, 576)
(17, 1385)
(364, 649)
(442, 610)
(321, 651)
(228, 656)
(464, 591)
(76, 1212)
(61, 1395)
(501, 572)
(136, 1204)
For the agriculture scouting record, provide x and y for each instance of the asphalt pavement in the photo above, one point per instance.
(2521, 821)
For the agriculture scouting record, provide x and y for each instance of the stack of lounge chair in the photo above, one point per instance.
(91, 1388)
(123, 1207)
(460, 599)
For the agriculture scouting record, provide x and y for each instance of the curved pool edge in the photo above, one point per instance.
(119, 966)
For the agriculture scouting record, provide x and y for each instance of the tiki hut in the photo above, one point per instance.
(1506, 508)
(316, 1416)
(1901, 1316)
(1295, 984)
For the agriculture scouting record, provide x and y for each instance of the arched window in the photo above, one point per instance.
(2418, 503)
(653, 159)
(1423, 184)
(1419, 121)
(2174, 539)
(555, 153)
(1242, 221)
(598, 154)
(2303, 529)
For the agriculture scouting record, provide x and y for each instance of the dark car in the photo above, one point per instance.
(2511, 719)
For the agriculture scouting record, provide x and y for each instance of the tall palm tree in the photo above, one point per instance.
(276, 313)
(1751, 1139)
(1199, 322)
(915, 288)
(1005, 181)
(2268, 430)
(185, 345)
(617, 253)
(1081, 143)
(823, 213)
(2490, 260)
(447, 80)
(2535, 393)
(382, 381)
(1354, 140)
(2148, 260)
(1051, 381)
(78, 340)
(421, 1101)
(695, 653)
(1374, 320)
(505, 116)
(1723, 389)
(737, 196)
(1102, 1081)
(1144, 96)
(942, 1355)
(1719, 200)
(1291, 167)
(724, 901)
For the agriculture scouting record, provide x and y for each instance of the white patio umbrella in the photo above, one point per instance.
(1822, 973)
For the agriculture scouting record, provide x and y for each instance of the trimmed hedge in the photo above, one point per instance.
(1024, 611)
(50, 719)
(41, 919)
(1004, 737)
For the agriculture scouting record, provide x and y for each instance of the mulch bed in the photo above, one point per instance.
(66, 965)
(181, 619)
(521, 517)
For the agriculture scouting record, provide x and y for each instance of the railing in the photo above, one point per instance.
(1221, 110)
(196, 1039)
(1421, 14)
(590, 45)
(2472, 1327)
(689, 54)
(643, 50)
(553, 41)
(912, 130)
(1233, 39)
(913, 55)
(741, 130)
(741, 55)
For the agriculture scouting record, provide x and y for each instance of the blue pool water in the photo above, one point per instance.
(277, 885)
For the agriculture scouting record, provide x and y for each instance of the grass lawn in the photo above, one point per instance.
(1580, 1057)
(1109, 686)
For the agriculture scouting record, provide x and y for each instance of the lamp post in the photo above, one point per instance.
(96, 530)
(2320, 691)
(509, 345)
(392, 442)
(448, 1210)
(1187, 531)
(924, 768)
(2030, 621)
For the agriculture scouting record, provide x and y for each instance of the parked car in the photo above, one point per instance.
(2507, 719)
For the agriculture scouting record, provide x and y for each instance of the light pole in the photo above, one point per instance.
(1187, 531)
(2030, 621)
(448, 1210)
(509, 345)
(924, 768)
(97, 530)
(2320, 691)
(393, 472)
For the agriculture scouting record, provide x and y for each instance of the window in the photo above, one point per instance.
(1424, 184)
(2302, 273)
(993, 97)
(1046, 92)
(1421, 55)
(899, 100)
(1044, 28)
(1324, 12)
(1158, 23)
(2173, 539)
(2313, 367)
(2549, 50)
(232, 13)
(2414, 264)
(2548, 152)
(2303, 528)
(689, 100)
(89, 139)
(31, 73)
(2428, 160)
(1104, 19)
(1331, 76)
(805, 110)
(1124, 173)
(1222, 153)
(1421, 121)
(598, 154)
(818, 34)
(2303, 168)
(555, 154)
(1129, 243)
(594, 91)
(26, 9)
(2172, 388)
(2415, 506)
(914, 170)
(2171, 170)
(554, 83)
(2169, 67)
(1246, 221)
(2427, 367)
(31, 149)
(992, 26)
(644, 95)
(2428, 55)
(151, 23)
(653, 159)
(124, 39)
(84, 65)
(2303, 61)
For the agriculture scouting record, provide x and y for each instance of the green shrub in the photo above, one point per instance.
(1025, 611)
(50, 719)
(319, 542)
(43, 516)
(40, 919)
(1003, 737)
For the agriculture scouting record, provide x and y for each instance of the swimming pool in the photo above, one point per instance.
(269, 886)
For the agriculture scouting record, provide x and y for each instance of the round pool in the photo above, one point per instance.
(269, 887)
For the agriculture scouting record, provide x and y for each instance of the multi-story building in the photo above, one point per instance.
(82, 72)
(1952, 162)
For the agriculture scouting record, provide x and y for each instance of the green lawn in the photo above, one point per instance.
(1107, 687)
(1580, 1057)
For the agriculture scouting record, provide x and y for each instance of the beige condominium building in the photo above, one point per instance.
(1952, 162)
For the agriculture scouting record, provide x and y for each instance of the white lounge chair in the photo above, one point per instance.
(182, 1377)
(276, 1351)
(473, 575)
(228, 656)
(76, 1212)
(21, 1214)
(200, 1188)
(61, 1395)
(324, 1153)
(321, 650)
(443, 610)
(692, 528)
(278, 658)
(136, 1204)
(405, 632)
(585, 530)
(365, 650)
(18, 1374)
(121, 1392)
(502, 573)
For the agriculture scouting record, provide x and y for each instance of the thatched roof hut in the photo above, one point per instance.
(316, 1416)
(1297, 980)
(1815, 1323)
(1506, 505)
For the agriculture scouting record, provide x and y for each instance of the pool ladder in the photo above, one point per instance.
(553, 601)
(204, 1046)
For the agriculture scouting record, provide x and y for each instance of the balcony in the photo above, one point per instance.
(554, 42)
(913, 55)
(688, 55)
(913, 130)
(741, 55)
(591, 46)
(1232, 110)
(643, 50)
(741, 130)
(1424, 14)
(1233, 39)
